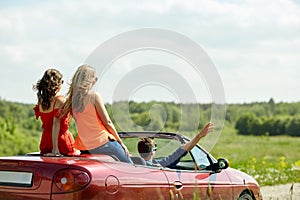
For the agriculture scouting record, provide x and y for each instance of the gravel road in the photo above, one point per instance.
(281, 192)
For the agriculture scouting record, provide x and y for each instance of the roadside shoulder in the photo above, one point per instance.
(282, 192)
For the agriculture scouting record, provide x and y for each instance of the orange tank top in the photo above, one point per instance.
(91, 131)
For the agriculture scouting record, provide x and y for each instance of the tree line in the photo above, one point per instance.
(250, 124)
(20, 131)
(269, 119)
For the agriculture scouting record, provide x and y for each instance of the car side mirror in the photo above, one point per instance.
(223, 163)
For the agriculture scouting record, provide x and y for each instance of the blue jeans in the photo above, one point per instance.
(111, 148)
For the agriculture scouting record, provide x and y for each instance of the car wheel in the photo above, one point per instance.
(245, 196)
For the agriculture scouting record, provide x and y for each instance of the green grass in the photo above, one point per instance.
(270, 160)
(239, 148)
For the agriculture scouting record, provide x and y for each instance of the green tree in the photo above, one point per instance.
(245, 123)
(293, 128)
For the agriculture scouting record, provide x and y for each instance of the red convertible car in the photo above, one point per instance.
(198, 175)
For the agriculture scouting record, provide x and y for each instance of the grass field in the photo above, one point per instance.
(271, 160)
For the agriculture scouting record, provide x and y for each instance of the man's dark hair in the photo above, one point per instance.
(145, 146)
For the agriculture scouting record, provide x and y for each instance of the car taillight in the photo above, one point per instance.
(69, 180)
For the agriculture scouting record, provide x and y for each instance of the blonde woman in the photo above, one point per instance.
(96, 132)
(56, 138)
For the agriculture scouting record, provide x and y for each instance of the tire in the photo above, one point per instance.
(245, 196)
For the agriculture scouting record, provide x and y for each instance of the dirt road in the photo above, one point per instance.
(281, 192)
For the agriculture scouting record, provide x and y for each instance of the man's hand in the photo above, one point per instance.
(209, 127)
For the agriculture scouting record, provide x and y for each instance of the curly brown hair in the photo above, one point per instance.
(47, 87)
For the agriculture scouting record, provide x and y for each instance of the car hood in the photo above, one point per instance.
(238, 177)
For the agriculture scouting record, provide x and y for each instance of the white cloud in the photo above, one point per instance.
(247, 40)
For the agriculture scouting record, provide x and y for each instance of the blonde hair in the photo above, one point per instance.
(81, 84)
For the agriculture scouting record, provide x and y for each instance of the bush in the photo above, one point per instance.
(249, 124)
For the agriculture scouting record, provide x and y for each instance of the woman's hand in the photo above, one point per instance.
(125, 148)
(53, 154)
(76, 152)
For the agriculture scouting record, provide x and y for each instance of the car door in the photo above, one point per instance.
(190, 182)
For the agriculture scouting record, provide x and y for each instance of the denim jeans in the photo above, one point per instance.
(111, 148)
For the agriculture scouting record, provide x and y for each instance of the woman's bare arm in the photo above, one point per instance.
(56, 126)
(100, 107)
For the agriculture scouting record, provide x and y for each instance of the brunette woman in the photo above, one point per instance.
(56, 138)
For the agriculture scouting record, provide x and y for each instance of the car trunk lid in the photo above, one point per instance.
(21, 177)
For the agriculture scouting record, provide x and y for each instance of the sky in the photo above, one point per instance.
(254, 46)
